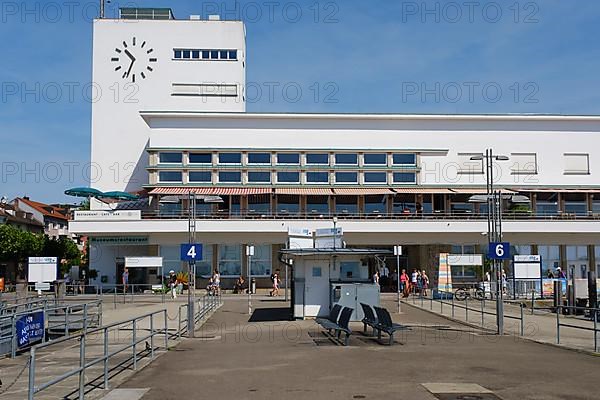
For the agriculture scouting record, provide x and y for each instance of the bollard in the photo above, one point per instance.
(82, 367)
(31, 373)
(152, 336)
(558, 310)
(467, 309)
(453, 306)
(166, 331)
(522, 321)
(482, 313)
(105, 358)
(532, 301)
(431, 301)
(133, 345)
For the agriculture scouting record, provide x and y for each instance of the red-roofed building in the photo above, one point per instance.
(54, 219)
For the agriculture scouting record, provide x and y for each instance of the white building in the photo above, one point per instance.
(390, 179)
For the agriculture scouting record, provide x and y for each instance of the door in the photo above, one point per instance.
(316, 291)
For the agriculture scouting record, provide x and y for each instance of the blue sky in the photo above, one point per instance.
(345, 56)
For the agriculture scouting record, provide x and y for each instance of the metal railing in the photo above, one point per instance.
(593, 313)
(206, 304)
(60, 320)
(447, 298)
(23, 304)
(133, 324)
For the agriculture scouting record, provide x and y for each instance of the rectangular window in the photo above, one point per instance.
(375, 159)
(214, 54)
(288, 177)
(170, 176)
(404, 159)
(523, 163)
(346, 177)
(259, 177)
(177, 53)
(186, 54)
(317, 177)
(288, 158)
(205, 54)
(375, 177)
(223, 54)
(261, 261)
(204, 267)
(200, 176)
(230, 158)
(346, 159)
(230, 177)
(200, 158)
(259, 158)
(577, 164)
(196, 54)
(405, 177)
(170, 158)
(233, 54)
(317, 159)
(230, 260)
(467, 166)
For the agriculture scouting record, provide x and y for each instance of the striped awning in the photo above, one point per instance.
(305, 190)
(478, 190)
(361, 191)
(214, 191)
(420, 190)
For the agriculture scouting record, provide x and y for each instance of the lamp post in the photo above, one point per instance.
(494, 227)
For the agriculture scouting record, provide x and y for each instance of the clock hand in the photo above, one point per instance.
(130, 67)
(130, 55)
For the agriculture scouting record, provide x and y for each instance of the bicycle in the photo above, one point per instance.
(462, 294)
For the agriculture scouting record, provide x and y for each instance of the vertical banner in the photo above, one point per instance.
(444, 274)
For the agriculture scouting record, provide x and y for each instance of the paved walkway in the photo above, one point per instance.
(268, 357)
(540, 326)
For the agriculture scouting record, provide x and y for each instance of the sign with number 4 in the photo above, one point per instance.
(191, 252)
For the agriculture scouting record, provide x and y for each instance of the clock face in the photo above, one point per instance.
(134, 60)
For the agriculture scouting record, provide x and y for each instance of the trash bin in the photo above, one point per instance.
(253, 286)
(1, 284)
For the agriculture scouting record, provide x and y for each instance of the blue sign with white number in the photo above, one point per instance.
(191, 252)
(499, 251)
(30, 328)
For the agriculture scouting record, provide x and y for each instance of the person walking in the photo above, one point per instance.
(275, 280)
(173, 284)
(376, 277)
(425, 282)
(413, 280)
(404, 283)
(125, 279)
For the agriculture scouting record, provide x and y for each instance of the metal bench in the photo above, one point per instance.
(369, 319)
(342, 325)
(330, 322)
(386, 325)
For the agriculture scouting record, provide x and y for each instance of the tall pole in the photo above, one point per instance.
(398, 277)
(192, 263)
(101, 9)
(249, 252)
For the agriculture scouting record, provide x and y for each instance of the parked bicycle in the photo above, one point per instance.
(462, 294)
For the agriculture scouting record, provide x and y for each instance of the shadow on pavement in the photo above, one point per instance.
(271, 314)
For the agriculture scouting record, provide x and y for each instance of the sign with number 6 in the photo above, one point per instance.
(499, 251)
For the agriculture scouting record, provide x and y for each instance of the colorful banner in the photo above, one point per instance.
(444, 274)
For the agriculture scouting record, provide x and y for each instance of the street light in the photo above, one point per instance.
(494, 220)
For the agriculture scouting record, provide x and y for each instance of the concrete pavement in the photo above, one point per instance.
(267, 357)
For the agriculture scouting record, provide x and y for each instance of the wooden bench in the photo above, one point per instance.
(386, 325)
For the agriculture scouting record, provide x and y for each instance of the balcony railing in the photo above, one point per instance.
(316, 215)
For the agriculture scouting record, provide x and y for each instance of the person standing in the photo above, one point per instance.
(384, 273)
(216, 283)
(394, 280)
(424, 282)
(125, 279)
(376, 278)
(173, 284)
(413, 280)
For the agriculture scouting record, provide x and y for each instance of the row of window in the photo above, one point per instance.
(369, 159)
(205, 54)
(287, 177)
(525, 163)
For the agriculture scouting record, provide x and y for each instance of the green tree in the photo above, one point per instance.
(16, 245)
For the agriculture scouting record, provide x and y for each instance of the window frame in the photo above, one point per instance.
(229, 163)
(288, 172)
(176, 153)
(229, 172)
(346, 173)
(160, 180)
(335, 158)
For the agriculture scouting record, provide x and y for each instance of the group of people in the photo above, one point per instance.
(417, 282)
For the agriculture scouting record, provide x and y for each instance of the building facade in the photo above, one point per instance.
(387, 179)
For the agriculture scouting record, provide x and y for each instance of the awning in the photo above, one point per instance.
(361, 191)
(305, 190)
(420, 190)
(214, 191)
(559, 190)
(478, 190)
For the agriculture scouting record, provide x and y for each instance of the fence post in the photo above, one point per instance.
(595, 315)
(133, 345)
(31, 374)
(82, 367)
(152, 336)
(179, 323)
(84, 323)
(532, 301)
(558, 310)
(482, 313)
(166, 331)
(100, 311)
(105, 358)
(452, 305)
(67, 321)
(467, 309)
(13, 346)
(44, 315)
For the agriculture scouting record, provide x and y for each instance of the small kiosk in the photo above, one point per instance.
(325, 272)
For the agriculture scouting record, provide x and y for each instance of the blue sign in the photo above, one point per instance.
(191, 252)
(499, 251)
(30, 328)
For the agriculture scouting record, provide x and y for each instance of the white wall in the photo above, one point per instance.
(119, 135)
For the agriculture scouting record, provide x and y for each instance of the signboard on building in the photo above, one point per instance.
(329, 238)
(121, 215)
(300, 238)
(527, 266)
(119, 240)
(42, 269)
(143, 262)
(29, 328)
(191, 252)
